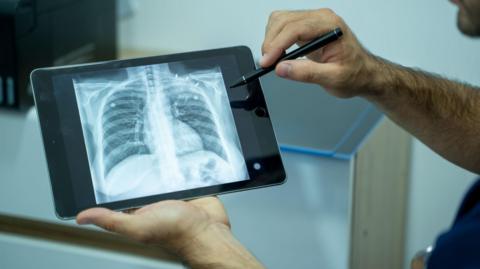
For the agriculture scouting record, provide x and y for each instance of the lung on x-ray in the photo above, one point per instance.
(151, 130)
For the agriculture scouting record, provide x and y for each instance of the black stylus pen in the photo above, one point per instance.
(302, 51)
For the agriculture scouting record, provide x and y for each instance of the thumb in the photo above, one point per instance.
(306, 71)
(109, 220)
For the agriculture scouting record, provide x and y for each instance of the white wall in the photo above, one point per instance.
(411, 32)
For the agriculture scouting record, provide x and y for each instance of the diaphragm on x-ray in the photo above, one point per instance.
(157, 129)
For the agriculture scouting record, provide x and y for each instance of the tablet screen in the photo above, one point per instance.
(122, 134)
(157, 129)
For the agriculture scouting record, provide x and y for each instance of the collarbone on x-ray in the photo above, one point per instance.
(149, 130)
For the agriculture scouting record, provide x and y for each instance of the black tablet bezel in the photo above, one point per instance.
(257, 138)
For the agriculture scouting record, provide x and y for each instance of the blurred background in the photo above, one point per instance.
(360, 193)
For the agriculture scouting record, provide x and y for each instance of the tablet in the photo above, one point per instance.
(126, 133)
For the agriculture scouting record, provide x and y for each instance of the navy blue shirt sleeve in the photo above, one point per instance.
(459, 247)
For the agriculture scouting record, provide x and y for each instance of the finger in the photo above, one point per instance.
(130, 210)
(211, 205)
(205, 200)
(294, 32)
(214, 209)
(207, 204)
(159, 206)
(271, 53)
(314, 24)
(306, 71)
(276, 22)
(109, 220)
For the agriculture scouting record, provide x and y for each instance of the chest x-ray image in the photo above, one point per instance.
(157, 129)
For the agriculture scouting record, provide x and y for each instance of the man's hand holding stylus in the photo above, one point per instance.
(336, 67)
(442, 113)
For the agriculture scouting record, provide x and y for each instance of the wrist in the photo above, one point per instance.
(216, 247)
(378, 78)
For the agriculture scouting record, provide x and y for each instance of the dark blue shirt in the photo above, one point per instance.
(459, 247)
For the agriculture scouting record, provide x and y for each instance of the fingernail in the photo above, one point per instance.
(284, 69)
(263, 59)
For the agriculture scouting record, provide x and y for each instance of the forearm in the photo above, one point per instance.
(443, 114)
(217, 248)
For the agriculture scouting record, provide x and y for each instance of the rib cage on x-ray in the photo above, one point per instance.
(190, 107)
(153, 131)
(124, 126)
